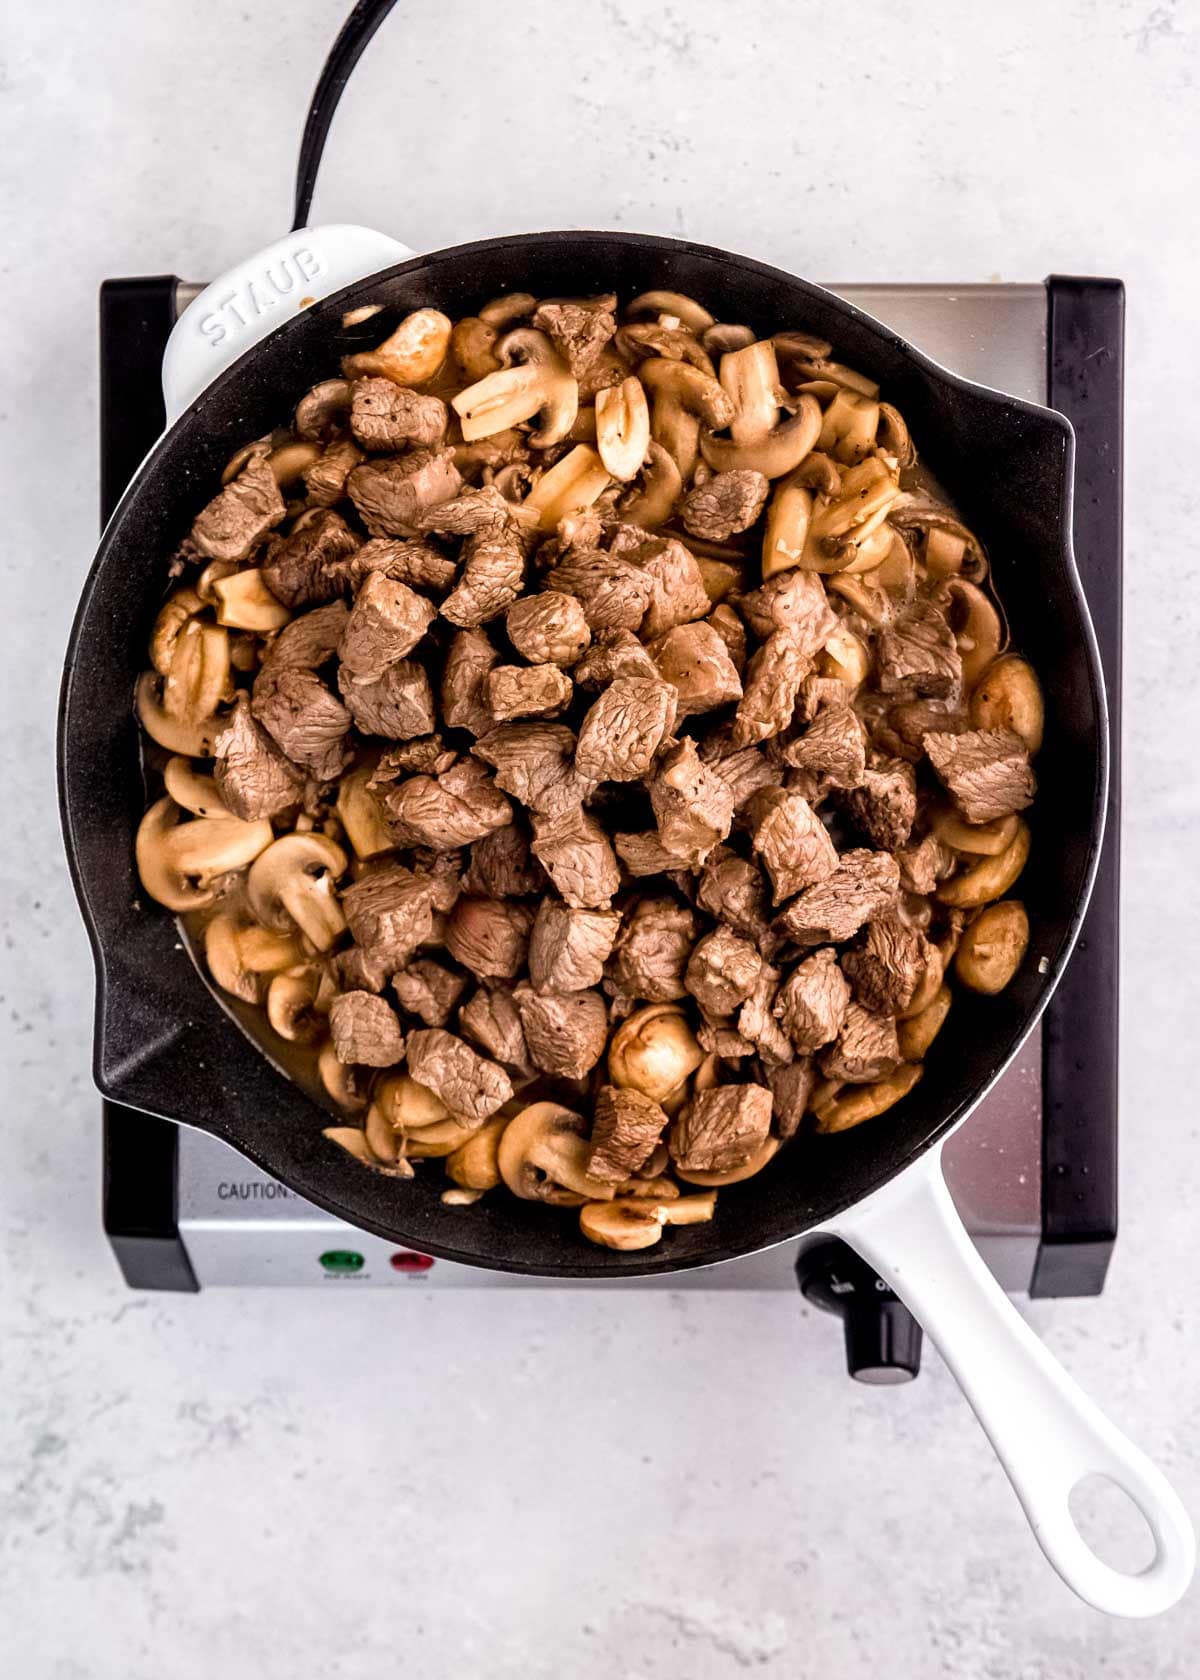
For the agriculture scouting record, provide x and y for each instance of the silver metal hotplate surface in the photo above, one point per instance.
(241, 1227)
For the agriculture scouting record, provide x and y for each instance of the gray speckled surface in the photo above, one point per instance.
(281, 1484)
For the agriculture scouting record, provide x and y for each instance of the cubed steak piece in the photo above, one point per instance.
(253, 777)
(325, 479)
(772, 682)
(390, 914)
(550, 628)
(535, 762)
(722, 971)
(414, 562)
(866, 1048)
(886, 966)
(569, 948)
(626, 1128)
(386, 622)
(692, 804)
(523, 691)
(397, 705)
(834, 746)
(791, 1087)
(428, 991)
(733, 890)
(458, 807)
(490, 1016)
(812, 1002)
(624, 728)
(919, 655)
(863, 886)
(471, 1087)
(309, 567)
(924, 864)
(391, 495)
(464, 682)
(469, 511)
(489, 937)
(645, 854)
(796, 603)
(387, 416)
(240, 515)
(565, 1032)
(493, 575)
(305, 719)
(614, 653)
(791, 840)
(986, 771)
(651, 954)
(756, 1020)
(720, 1130)
(728, 503)
(502, 866)
(575, 852)
(613, 592)
(884, 805)
(365, 1030)
(695, 660)
(677, 592)
(577, 331)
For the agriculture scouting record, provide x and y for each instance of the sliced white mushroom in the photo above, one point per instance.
(292, 883)
(411, 355)
(322, 408)
(686, 310)
(291, 461)
(654, 1051)
(751, 377)
(530, 347)
(242, 955)
(622, 424)
(344, 1083)
(176, 611)
(540, 382)
(245, 603)
(661, 487)
(626, 1225)
(765, 1152)
(291, 1000)
(543, 1157)
(777, 454)
(570, 486)
(179, 862)
(410, 1106)
(191, 790)
(361, 816)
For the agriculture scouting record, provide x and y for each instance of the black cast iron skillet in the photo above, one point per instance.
(164, 1043)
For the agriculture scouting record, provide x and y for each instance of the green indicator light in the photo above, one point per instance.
(342, 1260)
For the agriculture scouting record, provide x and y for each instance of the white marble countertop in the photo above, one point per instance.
(281, 1484)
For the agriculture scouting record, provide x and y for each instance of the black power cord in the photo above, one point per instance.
(345, 53)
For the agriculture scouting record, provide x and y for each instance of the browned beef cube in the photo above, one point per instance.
(491, 1018)
(730, 502)
(756, 1020)
(253, 777)
(985, 770)
(306, 643)
(812, 1002)
(387, 416)
(733, 890)
(795, 602)
(863, 886)
(458, 807)
(569, 948)
(918, 654)
(550, 628)
(352, 970)
(645, 854)
(390, 914)
(391, 495)
(834, 745)
(464, 678)
(443, 871)
(565, 1032)
(575, 852)
(725, 621)
(614, 593)
(884, 807)
(535, 762)
(424, 755)
(308, 568)
(773, 679)
(416, 563)
(308, 722)
(469, 511)
(325, 480)
(791, 1087)
(502, 866)
(791, 840)
(677, 592)
(746, 773)
(722, 971)
(866, 1048)
(886, 966)
(694, 659)
(626, 1128)
(614, 653)
(489, 936)
(387, 621)
(471, 1087)
(428, 991)
(725, 1042)
(365, 1030)
(240, 515)
(578, 332)
(720, 1130)
(903, 728)
(817, 693)
(522, 691)
(652, 950)
(492, 577)
(923, 864)
(624, 728)
(693, 805)
(398, 705)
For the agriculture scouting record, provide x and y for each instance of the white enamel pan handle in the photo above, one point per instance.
(250, 301)
(1047, 1433)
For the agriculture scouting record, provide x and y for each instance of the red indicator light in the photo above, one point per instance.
(408, 1260)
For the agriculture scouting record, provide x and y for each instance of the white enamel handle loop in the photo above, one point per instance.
(249, 301)
(1047, 1433)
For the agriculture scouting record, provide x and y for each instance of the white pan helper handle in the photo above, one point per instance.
(1047, 1433)
(260, 294)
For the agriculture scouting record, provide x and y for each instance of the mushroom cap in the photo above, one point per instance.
(241, 956)
(409, 356)
(410, 1106)
(654, 1051)
(780, 452)
(543, 1157)
(291, 883)
(342, 1082)
(765, 1152)
(662, 484)
(696, 392)
(191, 790)
(693, 315)
(290, 999)
(178, 862)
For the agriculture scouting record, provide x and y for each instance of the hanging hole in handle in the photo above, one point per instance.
(1112, 1524)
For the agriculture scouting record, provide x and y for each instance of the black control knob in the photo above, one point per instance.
(883, 1339)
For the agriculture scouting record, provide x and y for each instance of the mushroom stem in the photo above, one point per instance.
(751, 377)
